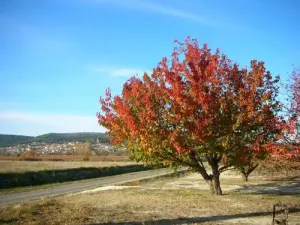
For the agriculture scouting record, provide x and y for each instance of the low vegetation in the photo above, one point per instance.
(31, 178)
(15, 173)
(66, 158)
(10, 166)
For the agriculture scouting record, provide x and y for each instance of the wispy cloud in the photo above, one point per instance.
(36, 124)
(119, 71)
(35, 37)
(163, 9)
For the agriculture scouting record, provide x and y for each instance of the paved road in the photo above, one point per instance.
(80, 186)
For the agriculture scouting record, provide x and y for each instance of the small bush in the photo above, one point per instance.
(30, 156)
(86, 158)
(56, 160)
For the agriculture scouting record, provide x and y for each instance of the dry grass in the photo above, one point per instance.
(24, 166)
(70, 158)
(184, 200)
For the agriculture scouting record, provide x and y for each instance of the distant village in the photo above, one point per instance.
(65, 148)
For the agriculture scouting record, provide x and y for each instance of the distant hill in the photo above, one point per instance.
(66, 137)
(9, 140)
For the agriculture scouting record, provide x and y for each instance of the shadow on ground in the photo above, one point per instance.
(282, 188)
(191, 220)
(288, 178)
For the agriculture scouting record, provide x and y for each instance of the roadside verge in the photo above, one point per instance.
(82, 186)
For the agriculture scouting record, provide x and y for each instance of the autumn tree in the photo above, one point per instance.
(288, 151)
(281, 166)
(196, 107)
(292, 136)
(249, 161)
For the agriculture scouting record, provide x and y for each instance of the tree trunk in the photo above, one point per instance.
(217, 185)
(214, 185)
(211, 186)
(247, 170)
(245, 177)
(216, 176)
(213, 180)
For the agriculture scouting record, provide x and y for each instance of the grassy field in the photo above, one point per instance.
(69, 158)
(183, 200)
(8, 166)
(32, 173)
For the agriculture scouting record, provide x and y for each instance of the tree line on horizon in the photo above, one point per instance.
(10, 140)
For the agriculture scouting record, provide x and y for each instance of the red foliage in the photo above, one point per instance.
(294, 108)
(289, 147)
(199, 99)
(199, 105)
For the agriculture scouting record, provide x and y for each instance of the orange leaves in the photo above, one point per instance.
(193, 100)
(178, 148)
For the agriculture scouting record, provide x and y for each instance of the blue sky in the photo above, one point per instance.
(58, 56)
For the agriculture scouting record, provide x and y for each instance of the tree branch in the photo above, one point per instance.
(225, 168)
(195, 157)
(175, 159)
